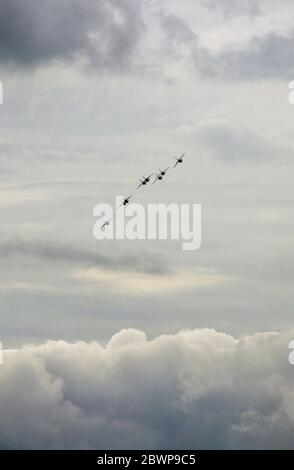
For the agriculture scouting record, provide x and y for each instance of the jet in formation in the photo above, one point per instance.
(143, 182)
(179, 160)
(160, 175)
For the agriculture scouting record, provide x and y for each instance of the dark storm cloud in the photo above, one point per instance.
(268, 57)
(102, 33)
(58, 253)
(195, 389)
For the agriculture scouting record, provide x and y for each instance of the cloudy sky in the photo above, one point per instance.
(97, 93)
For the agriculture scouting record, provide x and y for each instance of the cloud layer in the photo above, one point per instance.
(262, 57)
(65, 253)
(104, 33)
(110, 35)
(232, 8)
(195, 389)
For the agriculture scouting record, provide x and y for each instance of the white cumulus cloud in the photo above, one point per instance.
(195, 389)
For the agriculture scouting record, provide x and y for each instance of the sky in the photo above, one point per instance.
(97, 94)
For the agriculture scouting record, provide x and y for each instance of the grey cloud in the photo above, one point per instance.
(234, 142)
(177, 29)
(237, 142)
(59, 252)
(102, 33)
(232, 8)
(106, 35)
(268, 57)
(195, 389)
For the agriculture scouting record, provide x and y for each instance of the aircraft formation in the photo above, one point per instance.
(143, 182)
